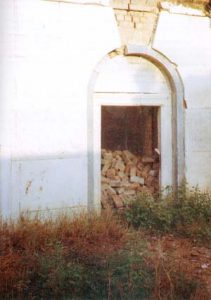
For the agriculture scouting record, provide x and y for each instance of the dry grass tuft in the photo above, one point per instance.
(89, 257)
(23, 245)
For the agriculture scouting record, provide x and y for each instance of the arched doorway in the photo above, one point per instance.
(137, 76)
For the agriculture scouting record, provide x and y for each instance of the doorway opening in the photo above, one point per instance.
(136, 76)
(130, 156)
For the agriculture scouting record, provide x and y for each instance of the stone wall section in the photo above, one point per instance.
(136, 20)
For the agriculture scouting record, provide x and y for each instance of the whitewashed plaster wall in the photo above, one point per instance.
(47, 55)
(186, 40)
(48, 52)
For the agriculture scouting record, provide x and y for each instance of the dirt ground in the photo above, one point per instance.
(190, 258)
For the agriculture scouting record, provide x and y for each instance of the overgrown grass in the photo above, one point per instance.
(188, 213)
(72, 258)
(99, 257)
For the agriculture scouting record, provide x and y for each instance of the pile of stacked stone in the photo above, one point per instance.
(124, 175)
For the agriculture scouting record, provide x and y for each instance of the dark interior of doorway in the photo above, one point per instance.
(130, 159)
(133, 128)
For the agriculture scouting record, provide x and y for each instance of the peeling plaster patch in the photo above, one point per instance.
(28, 185)
(180, 9)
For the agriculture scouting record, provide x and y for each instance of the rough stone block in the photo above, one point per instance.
(108, 156)
(115, 183)
(127, 156)
(117, 156)
(110, 173)
(140, 165)
(127, 168)
(120, 190)
(118, 152)
(127, 179)
(111, 191)
(118, 203)
(153, 172)
(145, 171)
(105, 169)
(147, 159)
(134, 186)
(120, 166)
(133, 171)
(104, 161)
(139, 173)
(104, 179)
(121, 174)
(125, 183)
(130, 192)
(137, 179)
(149, 181)
(104, 186)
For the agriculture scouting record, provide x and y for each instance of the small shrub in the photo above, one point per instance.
(188, 215)
(148, 213)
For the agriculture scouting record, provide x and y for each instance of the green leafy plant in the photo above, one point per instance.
(189, 214)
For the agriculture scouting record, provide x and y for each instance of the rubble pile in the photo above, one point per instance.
(124, 175)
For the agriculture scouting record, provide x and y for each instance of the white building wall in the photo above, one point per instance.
(48, 51)
(186, 40)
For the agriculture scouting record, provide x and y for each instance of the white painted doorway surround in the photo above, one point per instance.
(135, 80)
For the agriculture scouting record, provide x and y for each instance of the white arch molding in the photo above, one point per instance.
(170, 73)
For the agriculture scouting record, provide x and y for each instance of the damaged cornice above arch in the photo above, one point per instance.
(189, 7)
(194, 8)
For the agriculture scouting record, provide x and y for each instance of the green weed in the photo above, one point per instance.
(188, 213)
